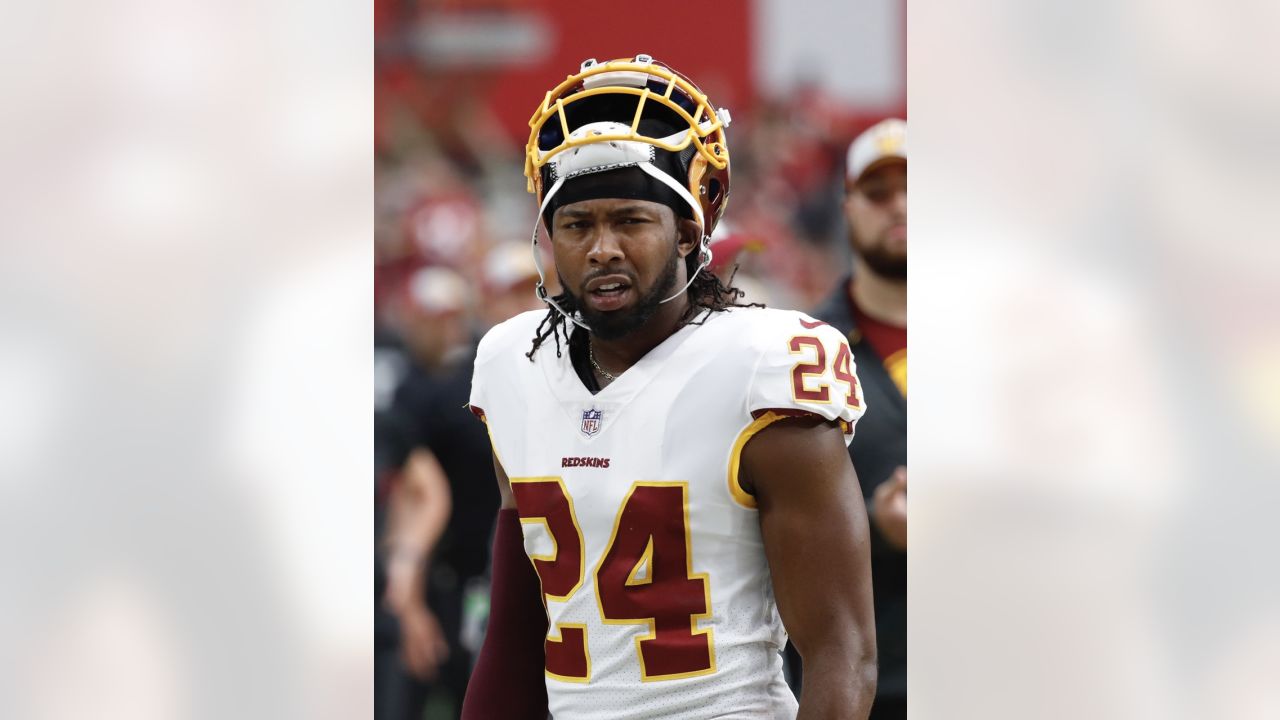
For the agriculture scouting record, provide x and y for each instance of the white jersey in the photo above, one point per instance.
(649, 553)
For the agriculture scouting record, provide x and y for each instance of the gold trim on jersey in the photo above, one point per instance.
(555, 545)
(853, 398)
(586, 652)
(740, 495)
(555, 631)
(709, 633)
(646, 562)
(819, 361)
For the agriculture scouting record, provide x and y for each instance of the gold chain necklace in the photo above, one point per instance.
(591, 355)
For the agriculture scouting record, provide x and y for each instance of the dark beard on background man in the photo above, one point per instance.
(884, 263)
(617, 324)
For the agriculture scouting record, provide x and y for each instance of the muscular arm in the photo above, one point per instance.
(507, 683)
(814, 526)
(419, 511)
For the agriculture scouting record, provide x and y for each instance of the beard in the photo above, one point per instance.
(882, 261)
(618, 323)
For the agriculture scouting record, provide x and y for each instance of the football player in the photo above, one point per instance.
(676, 493)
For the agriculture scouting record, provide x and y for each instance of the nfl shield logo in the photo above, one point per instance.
(591, 422)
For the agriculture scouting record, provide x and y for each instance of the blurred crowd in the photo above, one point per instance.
(453, 258)
(452, 196)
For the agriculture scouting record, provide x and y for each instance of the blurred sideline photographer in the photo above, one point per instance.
(412, 506)
(870, 306)
(433, 322)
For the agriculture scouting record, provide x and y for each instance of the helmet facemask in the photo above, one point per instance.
(631, 113)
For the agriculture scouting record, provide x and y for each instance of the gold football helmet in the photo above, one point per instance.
(614, 106)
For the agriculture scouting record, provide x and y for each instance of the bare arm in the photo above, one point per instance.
(419, 510)
(814, 524)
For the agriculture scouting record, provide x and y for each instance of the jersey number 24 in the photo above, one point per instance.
(650, 534)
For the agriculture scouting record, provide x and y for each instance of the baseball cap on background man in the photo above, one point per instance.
(882, 143)
(435, 290)
(510, 280)
(507, 265)
(433, 324)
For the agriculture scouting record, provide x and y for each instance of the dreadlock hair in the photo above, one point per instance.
(707, 294)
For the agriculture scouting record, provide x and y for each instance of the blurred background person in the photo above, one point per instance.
(420, 341)
(870, 305)
(448, 461)
(411, 507)
(510, 277)
(434, 320)
(735, 256)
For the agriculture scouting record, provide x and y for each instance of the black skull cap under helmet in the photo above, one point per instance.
(627, 182)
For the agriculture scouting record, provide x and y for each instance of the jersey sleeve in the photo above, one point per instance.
(501, 347)
(805, 366)
(483, 370)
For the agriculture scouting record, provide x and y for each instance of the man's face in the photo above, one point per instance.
(508, 302)
(876, 208)
(432, 335)
(619, 259)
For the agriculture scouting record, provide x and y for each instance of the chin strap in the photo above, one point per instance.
(703, 261)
